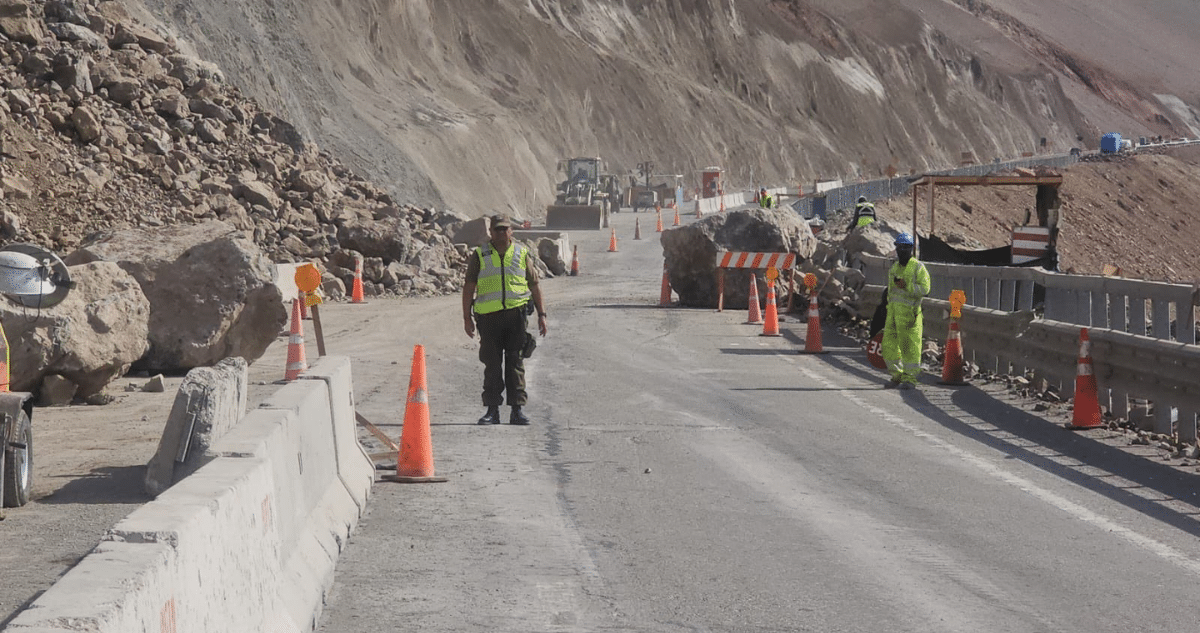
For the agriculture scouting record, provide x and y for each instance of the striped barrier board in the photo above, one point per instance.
(1030, 243)
(732, 259)
(735, 259)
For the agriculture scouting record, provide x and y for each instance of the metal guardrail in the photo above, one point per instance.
(1020, 320)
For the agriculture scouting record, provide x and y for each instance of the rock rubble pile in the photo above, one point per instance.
(106, 124)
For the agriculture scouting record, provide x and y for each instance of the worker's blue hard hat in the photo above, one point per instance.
(904, 239)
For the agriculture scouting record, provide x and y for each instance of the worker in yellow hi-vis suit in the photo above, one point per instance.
(908, 283)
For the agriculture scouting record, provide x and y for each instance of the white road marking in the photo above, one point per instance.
(1070, 507)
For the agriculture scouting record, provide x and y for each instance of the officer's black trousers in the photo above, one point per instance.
(502, 335)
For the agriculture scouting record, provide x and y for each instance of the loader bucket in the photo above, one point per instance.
(569, 216)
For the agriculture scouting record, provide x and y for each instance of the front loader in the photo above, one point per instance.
(35, 278)
(582, 202)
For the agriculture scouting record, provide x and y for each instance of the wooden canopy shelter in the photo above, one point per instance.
(1046, 203)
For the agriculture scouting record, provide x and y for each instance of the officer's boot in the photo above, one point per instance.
(518, 417)
(492, 416)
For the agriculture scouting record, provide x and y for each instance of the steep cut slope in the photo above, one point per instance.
(470, 104)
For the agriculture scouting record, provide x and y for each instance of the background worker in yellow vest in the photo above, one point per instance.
(764, 199)
(496, 296)
(864, 214)
(908, 283)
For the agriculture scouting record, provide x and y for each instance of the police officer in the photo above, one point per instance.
(908, 283)
(499, 285)
(764, 199)
(864, 214)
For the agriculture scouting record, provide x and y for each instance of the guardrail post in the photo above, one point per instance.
(1187, 425)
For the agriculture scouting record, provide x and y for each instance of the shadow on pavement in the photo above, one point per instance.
(117, 485)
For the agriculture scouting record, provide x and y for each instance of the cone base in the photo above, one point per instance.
(400, 479)
(758, 322)
(1071, 426)
(765, 334)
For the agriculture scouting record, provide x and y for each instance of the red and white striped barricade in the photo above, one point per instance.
(1030, 243)
(756, 261)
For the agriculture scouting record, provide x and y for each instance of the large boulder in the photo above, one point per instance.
(19, 22)
(91, 338)
(691, 251)
(388, 238)
(212, 292)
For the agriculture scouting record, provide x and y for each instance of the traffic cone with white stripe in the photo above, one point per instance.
(676, 215)
(952, 364)
(296, 362)
(575, 262)
(637, 228)
(771, 322)
(414, 460)
(664, 299)
(303, 306)
(356, 293)
(698, 214)
(754, 317)
(612, 242)
(658, 228)
(812, 335)
(1087, 399)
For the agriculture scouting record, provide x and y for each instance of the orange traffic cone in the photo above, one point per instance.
(658, 228)
(812, 337)
(296, 363)
(664, 299)
(676, 216)
(1087, 403)
(303, 306)
(575, 262)
(754, 317)
(721, 196)
(637, 228)
(953, 365)
(4, 372)
(698, 214)
(356, 294)
(414, 460)
(612, 242)
(771, 323)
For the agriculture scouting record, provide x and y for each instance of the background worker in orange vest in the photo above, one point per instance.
(499, 285)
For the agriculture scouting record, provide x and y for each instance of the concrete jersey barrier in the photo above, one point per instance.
(246, 543)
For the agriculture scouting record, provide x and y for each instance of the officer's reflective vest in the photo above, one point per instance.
(766, 201)
(502, 284)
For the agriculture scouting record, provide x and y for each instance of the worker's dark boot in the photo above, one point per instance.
(518, 417)
(491, 417)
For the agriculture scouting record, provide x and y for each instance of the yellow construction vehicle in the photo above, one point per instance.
(585, 198)
(35, 278)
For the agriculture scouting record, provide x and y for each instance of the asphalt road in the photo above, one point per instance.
(684, 473)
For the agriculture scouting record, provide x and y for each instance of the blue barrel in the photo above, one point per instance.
(1110, 143)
